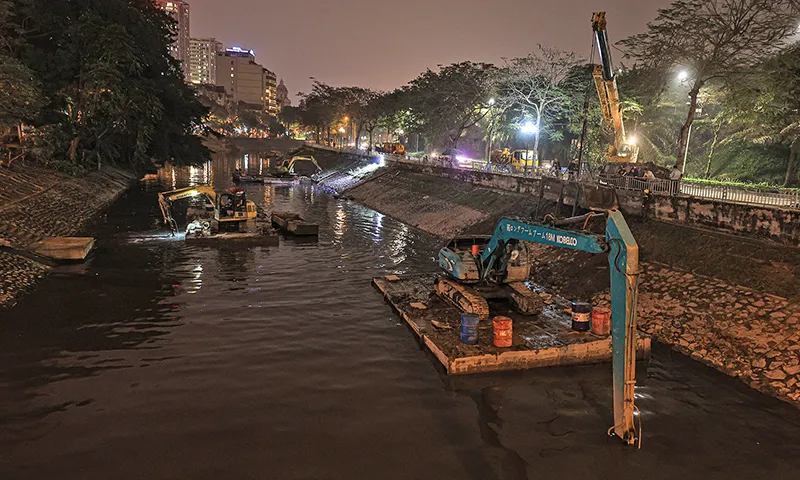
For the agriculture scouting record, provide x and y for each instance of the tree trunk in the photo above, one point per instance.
(684, 138)
(790, 164)
(370, 139)
(536, 134)
(711, 152)
(73, 149)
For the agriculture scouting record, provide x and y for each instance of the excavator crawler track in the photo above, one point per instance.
(524, 299)
(462, 297)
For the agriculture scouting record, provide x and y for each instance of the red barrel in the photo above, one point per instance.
(601, 321)
(502, 331)
(476, 249)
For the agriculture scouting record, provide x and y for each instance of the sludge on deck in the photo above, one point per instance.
(539, 341)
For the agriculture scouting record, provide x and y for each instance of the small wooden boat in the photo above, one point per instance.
(294, 224)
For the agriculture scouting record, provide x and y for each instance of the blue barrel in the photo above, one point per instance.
(581, 316)
(469, 328)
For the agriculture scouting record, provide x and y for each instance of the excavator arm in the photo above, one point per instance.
(165, 200)
(608, 93)
(623, 256)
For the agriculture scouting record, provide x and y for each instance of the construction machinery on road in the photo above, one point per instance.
(229, 210)
(624, 149)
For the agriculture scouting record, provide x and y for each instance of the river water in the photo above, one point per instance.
(159, 360)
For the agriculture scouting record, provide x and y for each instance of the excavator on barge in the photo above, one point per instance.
(226, 211)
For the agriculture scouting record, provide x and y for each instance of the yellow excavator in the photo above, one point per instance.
(232, 211)
(624, 149)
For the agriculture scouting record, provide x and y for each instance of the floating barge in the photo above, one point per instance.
(263, 179)
(294, 224)
(542, 340)
(64, 249)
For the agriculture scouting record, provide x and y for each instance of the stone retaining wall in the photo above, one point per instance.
(40, 203)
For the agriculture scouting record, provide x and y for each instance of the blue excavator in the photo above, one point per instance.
(480, 268)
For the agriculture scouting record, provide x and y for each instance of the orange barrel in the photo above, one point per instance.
(601, 321)
(502, 331)
(476, 249)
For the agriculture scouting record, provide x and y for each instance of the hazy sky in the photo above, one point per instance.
(383, 44)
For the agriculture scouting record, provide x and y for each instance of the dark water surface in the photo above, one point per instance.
(165, 361)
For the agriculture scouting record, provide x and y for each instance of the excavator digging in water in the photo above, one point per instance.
(479, 269)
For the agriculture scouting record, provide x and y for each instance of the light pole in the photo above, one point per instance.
(490, 132)
(528, 128)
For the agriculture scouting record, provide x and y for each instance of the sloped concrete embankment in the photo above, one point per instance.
(39, 203)
(727, 301)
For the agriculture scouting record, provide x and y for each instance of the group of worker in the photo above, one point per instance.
(636, 171)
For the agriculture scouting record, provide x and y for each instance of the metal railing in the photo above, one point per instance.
(730, 193)
(655, 185)
(752, 196)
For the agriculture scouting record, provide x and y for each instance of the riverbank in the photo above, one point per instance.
(729, 302)
(40, 203)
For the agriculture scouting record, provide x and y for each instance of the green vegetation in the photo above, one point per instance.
(721, 76)
(88, 82)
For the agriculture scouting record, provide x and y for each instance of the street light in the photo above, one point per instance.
(683, 75)
(491, 101)
(528, 128)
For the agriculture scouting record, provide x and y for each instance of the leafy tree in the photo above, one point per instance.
(543, 84)
(710, 39)
(114, 94)
(445, 103)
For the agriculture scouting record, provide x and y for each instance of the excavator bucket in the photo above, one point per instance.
(600, 198)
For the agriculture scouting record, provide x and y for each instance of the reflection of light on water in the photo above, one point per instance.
(268, 192)
(197, 281)
(377, 222)
(246, 161)
(398, 244)
(261, 167)
(174, 181)
(194, 174)
(340, 224)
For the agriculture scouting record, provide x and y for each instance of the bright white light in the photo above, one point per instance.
(381, 161)
(683, 75)
(401, 131)
(341, 129)
(528, 128)
(491, 101)
(632, 140)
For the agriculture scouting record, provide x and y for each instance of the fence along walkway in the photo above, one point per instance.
(751, 196)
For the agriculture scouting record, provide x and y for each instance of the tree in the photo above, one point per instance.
(445, 103)
(542, 84)
(709, 40)
(114, 93)
(766, 108)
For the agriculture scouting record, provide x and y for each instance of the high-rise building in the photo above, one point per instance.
(203, 60)
(270, 92)
(282, 94)
(179, 9)
(242, 77)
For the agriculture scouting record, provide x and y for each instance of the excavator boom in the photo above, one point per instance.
(608, 93)
(504, 260)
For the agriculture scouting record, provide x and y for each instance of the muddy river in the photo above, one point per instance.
(158, 360)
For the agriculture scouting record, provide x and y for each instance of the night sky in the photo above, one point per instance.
(383, 44)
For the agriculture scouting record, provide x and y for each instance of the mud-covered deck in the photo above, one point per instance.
(542, 340)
